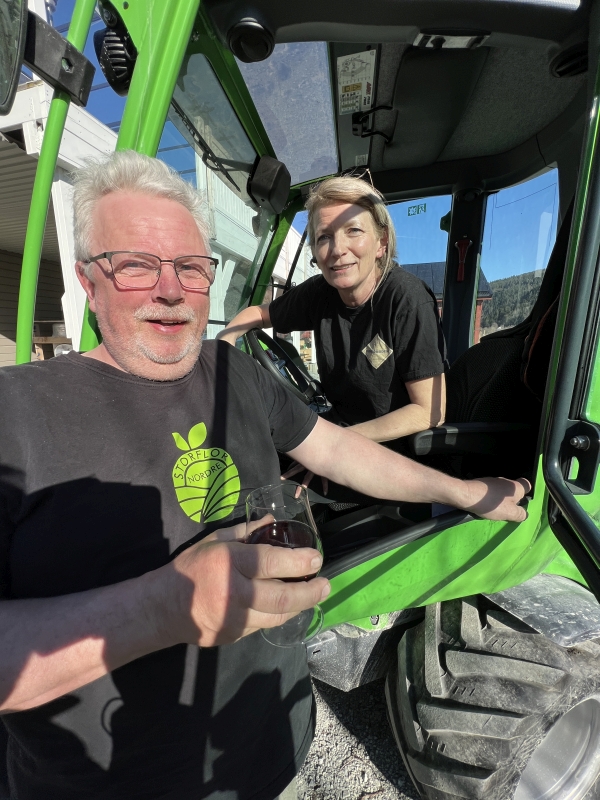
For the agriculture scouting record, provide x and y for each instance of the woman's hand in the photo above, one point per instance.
(296, 467)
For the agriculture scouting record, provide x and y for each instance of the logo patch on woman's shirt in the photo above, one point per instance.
(377, 351)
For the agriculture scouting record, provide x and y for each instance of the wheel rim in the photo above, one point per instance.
(567, 762)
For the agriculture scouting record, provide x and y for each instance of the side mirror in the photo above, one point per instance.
(269, 184)
(13, 29)
(27, 39)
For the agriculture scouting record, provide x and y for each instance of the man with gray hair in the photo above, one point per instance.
(128, 666)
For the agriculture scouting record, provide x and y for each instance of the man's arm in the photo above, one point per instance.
(348, 458)
(213, 593)
(248, 318)
(427, 409)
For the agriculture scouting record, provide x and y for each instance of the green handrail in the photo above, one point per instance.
(42, 188)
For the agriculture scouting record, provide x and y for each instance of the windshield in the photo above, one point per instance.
(205, 142)
(292, 93)
(203, 115)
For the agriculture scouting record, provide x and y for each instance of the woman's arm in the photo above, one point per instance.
(351, 460)
(248, 318)
(427, 409)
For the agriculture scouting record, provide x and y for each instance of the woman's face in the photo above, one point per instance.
(347, 246)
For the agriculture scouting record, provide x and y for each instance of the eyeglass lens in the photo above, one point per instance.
(141, 270)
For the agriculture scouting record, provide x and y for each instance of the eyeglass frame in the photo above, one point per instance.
(110, 253)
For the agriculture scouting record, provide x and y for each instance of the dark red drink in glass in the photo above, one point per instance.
(280, 515)
(286, 533)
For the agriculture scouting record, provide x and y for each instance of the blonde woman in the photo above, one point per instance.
(380, 348)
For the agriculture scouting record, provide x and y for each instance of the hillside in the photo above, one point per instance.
(512, 300)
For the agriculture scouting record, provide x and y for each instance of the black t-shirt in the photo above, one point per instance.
(103, 477)
(366, 354)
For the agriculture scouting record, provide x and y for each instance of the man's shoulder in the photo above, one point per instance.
(35, 372)
(29, 391)
(223, 356)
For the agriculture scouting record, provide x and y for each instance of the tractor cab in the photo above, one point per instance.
(478, 122)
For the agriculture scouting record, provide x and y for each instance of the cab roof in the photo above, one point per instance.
(483, 116)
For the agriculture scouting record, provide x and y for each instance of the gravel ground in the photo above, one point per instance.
(354, 754)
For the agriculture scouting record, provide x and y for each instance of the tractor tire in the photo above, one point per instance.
(484, 707)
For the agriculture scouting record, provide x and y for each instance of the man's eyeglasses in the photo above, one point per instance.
(142, 270)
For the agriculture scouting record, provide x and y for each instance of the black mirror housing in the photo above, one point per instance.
(13, 30)
(269, 184)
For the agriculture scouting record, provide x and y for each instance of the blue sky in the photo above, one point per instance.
(520, 227)
(419, 238)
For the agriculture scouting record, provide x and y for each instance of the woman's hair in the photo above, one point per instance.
(346, 189)
(128, 171)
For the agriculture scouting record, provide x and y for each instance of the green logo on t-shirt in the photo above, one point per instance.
(206, 481)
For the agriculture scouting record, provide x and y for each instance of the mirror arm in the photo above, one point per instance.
(57, 61)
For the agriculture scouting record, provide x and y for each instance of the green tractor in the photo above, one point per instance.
(488, 633)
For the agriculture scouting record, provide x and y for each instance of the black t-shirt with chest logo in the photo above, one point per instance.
(365, 355)
(103, 477)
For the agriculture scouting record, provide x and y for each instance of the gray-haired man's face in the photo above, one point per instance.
(154, 333)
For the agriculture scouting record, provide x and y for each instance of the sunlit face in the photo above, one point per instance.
(347, 246)
(154, 333)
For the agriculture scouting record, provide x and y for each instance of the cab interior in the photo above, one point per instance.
(469, 98)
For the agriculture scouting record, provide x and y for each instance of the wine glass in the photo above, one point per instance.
(289, 524)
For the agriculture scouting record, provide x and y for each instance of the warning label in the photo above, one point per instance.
(355, 81)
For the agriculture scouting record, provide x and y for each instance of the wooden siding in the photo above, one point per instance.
(48, 306)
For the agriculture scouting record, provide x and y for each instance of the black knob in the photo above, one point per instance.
(580, 442)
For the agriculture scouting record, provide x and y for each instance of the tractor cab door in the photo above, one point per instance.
(572, 441)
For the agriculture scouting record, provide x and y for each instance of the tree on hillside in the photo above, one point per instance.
(512, 300)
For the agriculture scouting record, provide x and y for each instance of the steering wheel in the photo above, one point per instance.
(276, 360)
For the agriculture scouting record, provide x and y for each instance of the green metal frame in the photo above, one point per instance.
(161, 31)
(264, 276)
(478, 556)
(42, 188)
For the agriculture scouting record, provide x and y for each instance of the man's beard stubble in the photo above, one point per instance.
(174, 314)
(126, 353)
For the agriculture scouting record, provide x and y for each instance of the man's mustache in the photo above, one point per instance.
(174, 314)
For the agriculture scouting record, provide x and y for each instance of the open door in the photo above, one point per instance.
(572, 443)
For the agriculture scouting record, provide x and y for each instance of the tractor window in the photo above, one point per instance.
(422, 237)
(292, 93)
(519, 233)
(206, 143)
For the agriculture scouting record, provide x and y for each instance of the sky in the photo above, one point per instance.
(520, 227)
